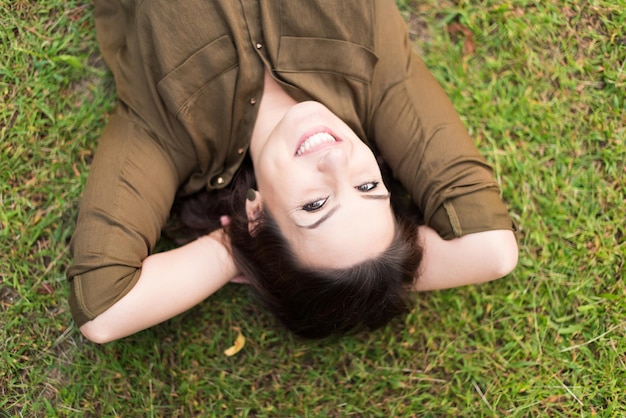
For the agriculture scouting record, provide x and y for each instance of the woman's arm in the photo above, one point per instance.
(170, 283)
(471, 259)
(422, 139)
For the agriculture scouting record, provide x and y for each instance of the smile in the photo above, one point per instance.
(315, 142)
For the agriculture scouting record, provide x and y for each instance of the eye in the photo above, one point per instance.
(366, 187)
(315, 205)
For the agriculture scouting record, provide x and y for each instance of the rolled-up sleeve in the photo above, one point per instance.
(421, 137)
(127, 199)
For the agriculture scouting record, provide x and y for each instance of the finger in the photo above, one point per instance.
(240, 280)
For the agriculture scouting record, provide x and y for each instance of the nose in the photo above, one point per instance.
(333, 161)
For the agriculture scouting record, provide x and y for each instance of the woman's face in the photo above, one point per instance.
(323, 187)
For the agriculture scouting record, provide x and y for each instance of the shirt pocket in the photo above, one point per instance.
(346, 59)
(199, 75)
(348, 20)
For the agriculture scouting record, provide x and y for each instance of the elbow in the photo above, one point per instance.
(96, 333)
(94, 290)
(506, 255)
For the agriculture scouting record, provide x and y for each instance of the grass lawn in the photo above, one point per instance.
(541, 86)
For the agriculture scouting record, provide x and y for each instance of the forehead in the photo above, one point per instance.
(356, 232)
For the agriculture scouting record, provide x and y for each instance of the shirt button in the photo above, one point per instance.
(220, 180)
(240, 151)
(259, 45)
(252, 101)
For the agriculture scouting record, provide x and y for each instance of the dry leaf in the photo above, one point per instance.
(240, 341)
(458, 28)
(45, 289)
(468, 43)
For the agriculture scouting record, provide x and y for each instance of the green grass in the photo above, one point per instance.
(544, 94)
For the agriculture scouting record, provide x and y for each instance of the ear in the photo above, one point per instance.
(254, 208)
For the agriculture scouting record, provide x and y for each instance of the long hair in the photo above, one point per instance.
(311, 302)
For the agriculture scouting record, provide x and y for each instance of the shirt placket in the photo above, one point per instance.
(248, 38)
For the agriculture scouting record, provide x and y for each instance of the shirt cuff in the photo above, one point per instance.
(476, 212)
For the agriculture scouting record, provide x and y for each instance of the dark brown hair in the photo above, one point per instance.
(311, 302)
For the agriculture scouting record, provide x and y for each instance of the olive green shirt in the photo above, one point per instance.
(189, 77)
(194, 76)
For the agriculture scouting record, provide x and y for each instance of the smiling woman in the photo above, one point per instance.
(319, 182)
(276, 114)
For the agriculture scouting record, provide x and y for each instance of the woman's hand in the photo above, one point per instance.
(471, 259)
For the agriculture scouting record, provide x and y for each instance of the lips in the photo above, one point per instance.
(315, 141)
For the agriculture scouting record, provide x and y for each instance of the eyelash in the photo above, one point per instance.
(371, 185)
(309, 207)
(318, 204)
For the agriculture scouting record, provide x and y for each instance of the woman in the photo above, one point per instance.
(307, 95)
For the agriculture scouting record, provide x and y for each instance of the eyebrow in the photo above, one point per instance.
(334, 209)
(377, 196)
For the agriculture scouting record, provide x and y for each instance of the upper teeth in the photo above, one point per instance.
(315, 140)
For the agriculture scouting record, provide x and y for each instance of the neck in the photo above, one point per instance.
(275, 102)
